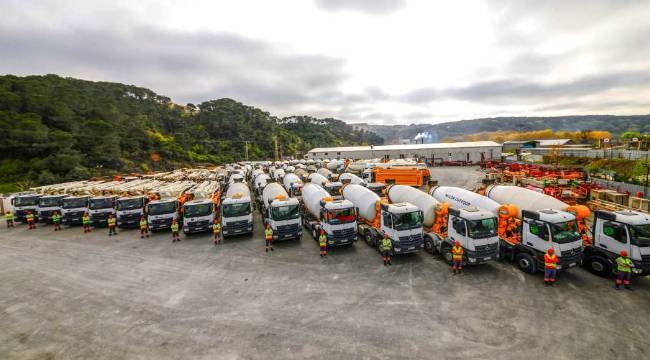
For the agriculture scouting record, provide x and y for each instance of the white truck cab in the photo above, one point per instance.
(99, 207)
(540, 231)
(284, 217)
(22, 203)
(198, 216)
(614, 232)
(338, 220)
(73, 209)
(475, 229)
(236, 216)
(402, 222)
(47, 205)
(129, 211)
(161, 213)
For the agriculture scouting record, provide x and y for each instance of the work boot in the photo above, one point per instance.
(272, 248)
(267, 249)
(384, 262)
(627, 287)
(617, 287)
(389, 262)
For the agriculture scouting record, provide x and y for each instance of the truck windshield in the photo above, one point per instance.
(237, 209)
(342, 216)
(49, 202)
(483, 228)
(334, 190)
(74, 203)
(162, 208)
(104, 203)
(565, 232)
(640, 235)
(130, 204)
(26, 201)
(407, 221)
(285, 212)
(195, 210)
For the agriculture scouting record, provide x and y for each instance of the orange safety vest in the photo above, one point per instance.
(457, 253)
(550, 261)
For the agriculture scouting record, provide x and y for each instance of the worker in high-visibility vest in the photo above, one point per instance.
(85, 220)
(112, 224)
(550, 267)
(624, 267)
(386, 248)
(322, 243)
(268, 237)
(30, 220)
(457, 253)
(9, 217)
(56, 220)
(216, 230)
(175, 236)
(144, 227)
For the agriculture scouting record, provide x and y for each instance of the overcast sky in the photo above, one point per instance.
(377, 61)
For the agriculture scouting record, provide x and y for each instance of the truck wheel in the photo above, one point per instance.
(369, 239)
(526, 263)
(446, 254)
(598, 265)
(428, 245)
(314, 233)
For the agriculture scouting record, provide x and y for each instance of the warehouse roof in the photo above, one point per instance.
(453, 145)
(553, 142)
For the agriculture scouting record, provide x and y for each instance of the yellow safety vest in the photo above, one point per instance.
(9, 217)
(216, 228)
(322, 240)
(111, 221)
(268, 234)
(457, 253)
(175, 227)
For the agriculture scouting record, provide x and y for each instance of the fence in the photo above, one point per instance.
(619, 186)
(594, 153)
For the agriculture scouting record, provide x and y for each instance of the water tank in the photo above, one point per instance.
(278, 174)
(333, 165)
(425, 202)
(238, 188)
(317, 179)
(311, 197)
(272, 191)
(459, 198)
(291, 179)
(363, 199)
(353, 179)
(523, 198)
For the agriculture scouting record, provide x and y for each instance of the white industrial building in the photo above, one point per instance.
(474, 152)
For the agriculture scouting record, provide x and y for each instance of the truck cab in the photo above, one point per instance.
(542, 230)
(198, 216)
(129, 211)
(99, 207)
(284, 217)
(338, 218)
(24, 202)
(402, 222)
(377, 188)
(476, 230)
(161, 213)
(334, 189)
(236, 216)
(47, 205)
(73, 209)
(616, 231)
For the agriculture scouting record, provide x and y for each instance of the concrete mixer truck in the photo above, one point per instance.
(540, 222)
(199, 213)
(333, 188)
(402, 222)
(338, 218)
(281, 212)
(349, 178)
(293, 185)
(24, 202)
(446, 222)
(237, 210)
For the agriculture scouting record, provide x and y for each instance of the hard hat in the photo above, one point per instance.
(623, 253)
(457, 243)
(174, 221)
(385, 236)
(551, 250)
(322, 231)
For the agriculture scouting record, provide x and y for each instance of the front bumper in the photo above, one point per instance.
(128, 221)
(160, 224)
(45, 216)
(72, 218)
(19, 216)
(407, 248)
(197, 227)
(99, 220)
(482, 254)
(238, 228)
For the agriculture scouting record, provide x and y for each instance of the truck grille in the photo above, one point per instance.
(409, 241)
(645, 262)
(571, 256)
(161, 223)
(73, 217)
(242, 226)
(287, 229)
(46, 215)
(487, 250)
(202, 225)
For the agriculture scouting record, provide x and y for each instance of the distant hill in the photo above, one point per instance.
(437, 132)
(54, 129)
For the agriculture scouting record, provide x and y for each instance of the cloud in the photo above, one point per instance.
(190, 66)
(372, 7)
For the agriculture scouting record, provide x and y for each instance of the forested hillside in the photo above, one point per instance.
(458, 129)
(54, 129)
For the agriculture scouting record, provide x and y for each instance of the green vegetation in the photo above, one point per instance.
(56, 129)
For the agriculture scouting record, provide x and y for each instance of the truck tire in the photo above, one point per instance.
(598, 265)
(445, 251)
(526, 263)
(369, 240)
(314, 233)
(428, 245)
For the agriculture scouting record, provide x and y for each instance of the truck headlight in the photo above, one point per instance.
(637, 271)
(471, 260)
